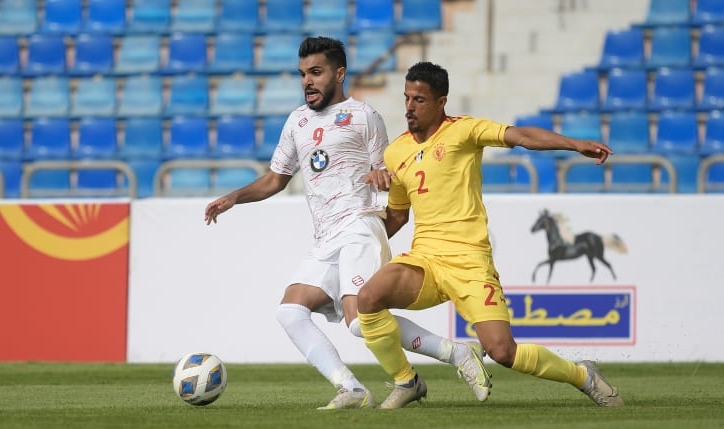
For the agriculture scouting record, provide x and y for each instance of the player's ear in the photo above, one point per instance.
(341, 74)
(442, 101)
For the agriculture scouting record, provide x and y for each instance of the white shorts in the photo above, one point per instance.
(345, 263)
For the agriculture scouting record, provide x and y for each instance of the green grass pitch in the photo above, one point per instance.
(53, 395)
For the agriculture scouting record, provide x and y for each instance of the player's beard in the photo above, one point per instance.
(327, 94)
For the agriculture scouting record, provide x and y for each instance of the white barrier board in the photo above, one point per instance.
(216, 288)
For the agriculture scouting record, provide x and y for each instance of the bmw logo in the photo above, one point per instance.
(319, 160)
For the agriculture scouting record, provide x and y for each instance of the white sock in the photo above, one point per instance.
(315, 346)
(419, 340)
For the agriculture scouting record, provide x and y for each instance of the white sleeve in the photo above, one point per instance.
(285, 159)
(377, 139)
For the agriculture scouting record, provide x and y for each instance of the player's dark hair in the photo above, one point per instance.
(332, 49)
(431, 74)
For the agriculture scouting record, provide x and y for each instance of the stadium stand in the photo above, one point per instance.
(230, 66)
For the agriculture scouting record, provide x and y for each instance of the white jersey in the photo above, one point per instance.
(335, 149)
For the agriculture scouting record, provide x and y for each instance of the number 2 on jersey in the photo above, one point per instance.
(421, 189)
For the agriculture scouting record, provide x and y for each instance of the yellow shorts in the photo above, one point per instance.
(470, 281)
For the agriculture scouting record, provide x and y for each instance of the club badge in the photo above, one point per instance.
(319, 160)
(343, 118)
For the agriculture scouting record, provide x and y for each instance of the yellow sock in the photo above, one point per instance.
(382, 337)
(541, 362)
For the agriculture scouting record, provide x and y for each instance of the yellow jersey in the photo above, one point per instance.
(441, 179)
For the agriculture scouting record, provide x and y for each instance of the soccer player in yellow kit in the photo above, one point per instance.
(436, 170)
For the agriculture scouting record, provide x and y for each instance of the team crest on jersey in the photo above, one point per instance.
(343, 118)
(302, 122)
(319, 160)
(439, 151)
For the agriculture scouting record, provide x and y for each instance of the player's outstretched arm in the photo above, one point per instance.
(260, 189)
(535, 138)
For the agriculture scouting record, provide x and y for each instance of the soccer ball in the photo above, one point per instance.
(199, 378)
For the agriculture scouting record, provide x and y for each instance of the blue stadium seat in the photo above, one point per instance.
(62, 16)
(586, 126)
(105, 16)
(687, 170)
(198, 16)
(632, 177)
(12, 139)
(188, 138)
(627, 89)
(143, 139)
(708, 12)
(188, 95)
(11, 172)
(546, 168)
(142, 95)
(97, 139)
(590, 175)
(673, 89)
(279, 95)
(233, 52)
(233, 178)
(326, 15)
(150, 16)
(11, 103)
(271, 131)
(283, 16)
(235, 137)
(578, 91)
(145, 172)
(369, 46)
(668, 12)
(419, 15)
(711, 48)
(677, 133)
(238, 15)
(192, 180)
(712, 92)
(186, 53)
(46, 55)
(9, 56)
(670, 47)
(629, 132)
(234, 95)
(102, 180)
(93, 55)
(279, 53)
(541, 120)
(622, 48)
(138, 54)
(373, 14)
(496, 177)
(50, 180)
(18, 17)
(94, 97)
(49, 139)
(713, 141)
(49, 96)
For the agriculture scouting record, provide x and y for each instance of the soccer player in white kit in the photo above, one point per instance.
(337, 143)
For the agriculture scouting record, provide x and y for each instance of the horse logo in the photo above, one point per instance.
(564, 245)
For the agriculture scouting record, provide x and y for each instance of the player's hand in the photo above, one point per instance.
(215, 208)
(379, 178)
(596, 150)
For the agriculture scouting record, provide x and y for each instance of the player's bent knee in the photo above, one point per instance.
(287, 314)
(354, 328)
